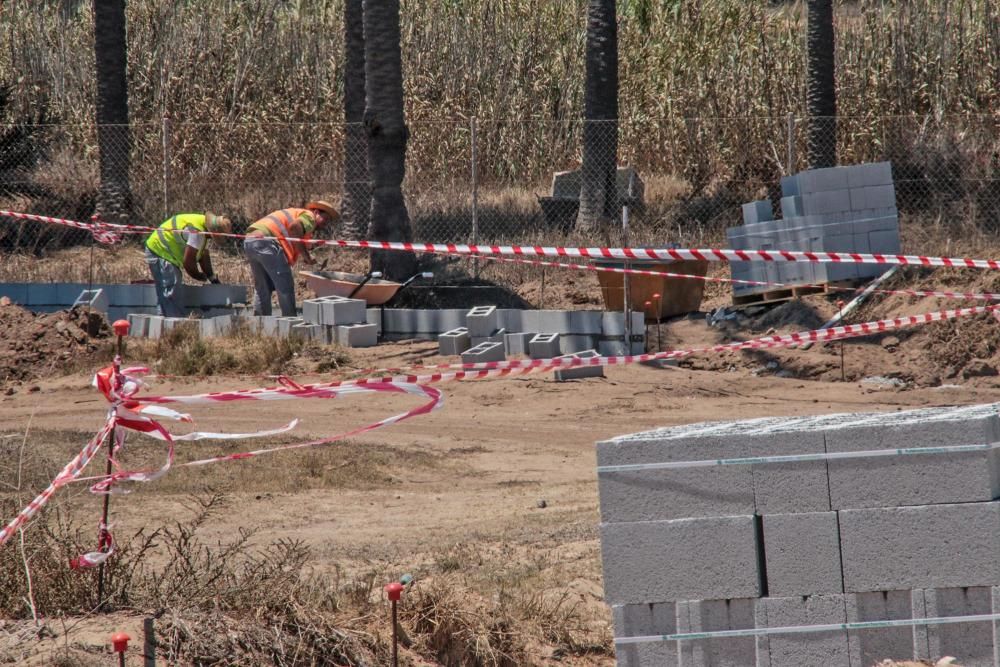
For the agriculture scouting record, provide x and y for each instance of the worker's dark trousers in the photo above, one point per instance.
(271, 273)
(168, 281)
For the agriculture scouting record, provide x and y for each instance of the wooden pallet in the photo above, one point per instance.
(768, 297)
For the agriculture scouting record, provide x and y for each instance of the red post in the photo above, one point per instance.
(119, 641)
(394, 591)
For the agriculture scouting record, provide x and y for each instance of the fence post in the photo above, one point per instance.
(166, 165)
(475, 191)
(790, 167)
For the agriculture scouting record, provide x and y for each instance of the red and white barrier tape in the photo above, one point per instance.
(599, 253)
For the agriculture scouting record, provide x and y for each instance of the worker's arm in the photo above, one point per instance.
(297, 232)
(205, 262)
(191, 264)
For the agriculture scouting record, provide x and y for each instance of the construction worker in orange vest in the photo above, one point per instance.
(182, 243)
(273, 245)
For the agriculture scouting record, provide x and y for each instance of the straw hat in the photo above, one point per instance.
(218, 223)
(326, 207)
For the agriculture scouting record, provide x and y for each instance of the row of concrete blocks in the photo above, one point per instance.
(848, 551)
(876, 235)
(64, 295)
(974, 644)
(805, 486)
(430, 323)
(500, 345)
(350, 335)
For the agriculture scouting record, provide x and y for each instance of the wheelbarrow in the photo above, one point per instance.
(367, 286)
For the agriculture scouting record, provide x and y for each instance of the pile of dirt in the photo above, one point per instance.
(34, 345)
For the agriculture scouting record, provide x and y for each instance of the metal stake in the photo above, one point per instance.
(112, 437)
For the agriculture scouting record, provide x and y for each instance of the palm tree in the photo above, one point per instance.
(357, 190)
(821, 92)
(387, 136)
(114, 137)
(598, 190)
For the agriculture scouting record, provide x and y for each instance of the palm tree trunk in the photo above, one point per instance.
(114, 137)
(356, 204)
(821, 91)
(387, 136)
(598, 191)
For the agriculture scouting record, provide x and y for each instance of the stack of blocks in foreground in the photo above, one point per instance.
(843, 540)
(836, 209)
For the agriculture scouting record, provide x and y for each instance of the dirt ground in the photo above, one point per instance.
(498, 485)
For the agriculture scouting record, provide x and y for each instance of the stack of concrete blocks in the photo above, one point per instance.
(836, 209)
(571, 330)
(337, 319)
(774, 545)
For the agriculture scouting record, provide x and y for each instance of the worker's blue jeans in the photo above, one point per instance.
(271, 273)
(168, 282)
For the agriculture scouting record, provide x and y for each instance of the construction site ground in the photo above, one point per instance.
(498, 487)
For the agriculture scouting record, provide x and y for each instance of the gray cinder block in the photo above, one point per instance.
(304, 330)
(517, 343)
(644, 620)
(154, 327)
(511, 319)
(876, 196)
(96, 299)
(802, 552)
(784, 488)
(450, 318)
(495, 337)
(45, 295)
(338, 310)
(822, 180)
(934, 546)
(650, 494)
(826, 201)
(757, 211)
(872, 645)
(555, 321)
(481, 321)
(285, 324)
(916, 479)
(427, 320)
(612, 348)
(357, 335)
(374, 316)
(453, 343)
(484, 352)
(312, 310)
(269, 325)
(822, 649)
(207, 327)
(790, 186)
(223, 324)
(573, 343)
(707, 558)
(544, 346)
(715, 616)
(579, 372)
(138, 325)
(972, 644)
(791, 207)
(867, 174)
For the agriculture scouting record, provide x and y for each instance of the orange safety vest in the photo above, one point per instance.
(278, 225)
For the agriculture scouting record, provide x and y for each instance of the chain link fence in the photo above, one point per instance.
(474, 180)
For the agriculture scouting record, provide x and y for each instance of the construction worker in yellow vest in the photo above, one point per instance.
(273, 245)
(182, 243)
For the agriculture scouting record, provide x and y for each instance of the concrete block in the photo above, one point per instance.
(154, 327)
(790, 186)
(884, 243)
(269, 325)
(791, 207)
(643, 620)
(450, 318)
(972, 644)
(613, 324)
(573, 343)
(427, 320)
(399, 321)
(785, 488)
(579, 372)
(867, 174)
(915, 480)
(357, 335)
(45, 295)
(612, 348)
(138, 325)
(312, 311)
(484, 352)
(822, 180)
(757, 211)
(707, 558)
(715, 616)
(876, 196)
(16, 292)
(207, 327)
(511, 319)
(933, 546)
(454, 342)
(872, 645)
(826, 201)
(823, 649)
(223, 324)
(495, 337)
(517, 343)
(285, 324)
(529, 320)
(67, 293)
(664, 494)
(304, 330)
(96, 299)
(544, 346)
(338, 310)
(325, 334)
(374, 316)
(555, 321)
(482, 321)
(802, 552)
